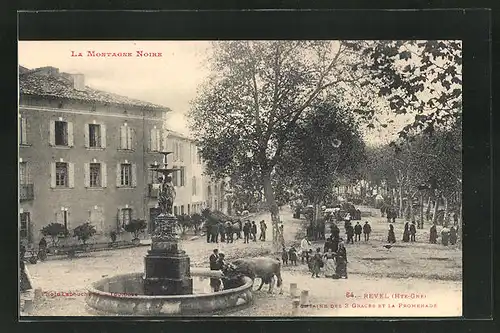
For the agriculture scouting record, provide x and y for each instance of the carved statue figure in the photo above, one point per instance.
(166, 196)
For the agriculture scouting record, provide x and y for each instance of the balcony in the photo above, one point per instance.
(153, 190)
(26, 192)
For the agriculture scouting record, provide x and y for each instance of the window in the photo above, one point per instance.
(125, 137)
(182, 209)
(62, 174)
(24, 225)
(126, 175)
(155, 140)
(189, 209)
(23, 173)
(23, 131)
(94, 136)
(95, 175)
(199, 156)
(193, 183)
(209, 190)
(125, 216)
(175, 210)
(183, 176)
(61, 133)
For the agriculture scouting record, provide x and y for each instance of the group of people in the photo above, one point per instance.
(409, 233)
(227, 231)
(354, 233)
(333, 259)
(448, 235)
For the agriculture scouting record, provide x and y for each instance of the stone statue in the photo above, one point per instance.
(167, 195)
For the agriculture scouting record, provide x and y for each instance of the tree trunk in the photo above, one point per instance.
(421, 224)
(273, 209)
(445, 217)
(401, 203)
(428, 210)
(412, 213)
(436, 207)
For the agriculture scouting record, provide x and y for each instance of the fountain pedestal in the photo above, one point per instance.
(166, 267)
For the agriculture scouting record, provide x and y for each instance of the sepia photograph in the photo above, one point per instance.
(237, 178)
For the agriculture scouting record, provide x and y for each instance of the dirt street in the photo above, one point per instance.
(429, 276)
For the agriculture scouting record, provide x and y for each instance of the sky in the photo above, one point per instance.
(170, 80)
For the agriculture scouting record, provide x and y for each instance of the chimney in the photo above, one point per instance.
(78, 81)
(48, 70)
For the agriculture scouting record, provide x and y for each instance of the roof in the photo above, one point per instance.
(179, 135)
(36, 83)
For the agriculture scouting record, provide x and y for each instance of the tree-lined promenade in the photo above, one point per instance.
(284, 120)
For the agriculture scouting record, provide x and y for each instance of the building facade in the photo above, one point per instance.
(83, 154)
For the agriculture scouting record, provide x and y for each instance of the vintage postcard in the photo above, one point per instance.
(242, 178)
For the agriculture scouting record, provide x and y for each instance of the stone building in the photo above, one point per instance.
(85, 154)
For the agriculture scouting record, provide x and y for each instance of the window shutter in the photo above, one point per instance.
(70, 134)
(159, 135)
(86, 135)
(129, 138)
(123, 137)
(153, 140)
(103, 136)
(181, 151)
(118, 175)
(52, 133)
(164, 141)
(134, 175)
(71, 175)
(53, 174)
(86, 174)
(24, 138)
(104, 177)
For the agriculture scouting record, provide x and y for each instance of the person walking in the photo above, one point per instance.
(391, 237)
(357, 232)
(453, 235)
(317, 262)
(253, 230)
(246, 232)
(229, 232)
(350, 233)
(341, 261)
(413, 231)
(329, 259)
(214, 266)
(263, 228)
(433, 235)
(305, 245)
(445, 236)
(406, 233)
(222, 231)
(367, 229)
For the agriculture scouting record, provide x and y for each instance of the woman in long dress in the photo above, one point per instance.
(329, 259)
(341, 261)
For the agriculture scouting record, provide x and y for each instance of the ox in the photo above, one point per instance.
(264, 268)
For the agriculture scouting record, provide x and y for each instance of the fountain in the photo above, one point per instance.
(166, 287)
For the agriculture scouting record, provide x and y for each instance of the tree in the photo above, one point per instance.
(421, 78)
(135, 227)
(185, 223)
(326, 146)
(258, 91)
(84, 231)
(196, 220)
(55, 231)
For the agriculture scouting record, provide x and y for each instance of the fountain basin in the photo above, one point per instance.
(124, 295)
